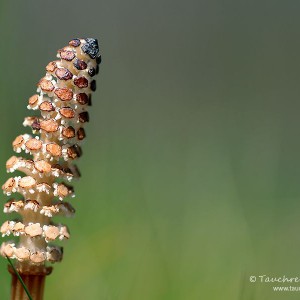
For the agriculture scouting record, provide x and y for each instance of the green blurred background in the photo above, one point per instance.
(191, 168)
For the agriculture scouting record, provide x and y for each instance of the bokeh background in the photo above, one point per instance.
(191, 168)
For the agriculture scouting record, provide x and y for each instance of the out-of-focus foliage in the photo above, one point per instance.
(191, 168)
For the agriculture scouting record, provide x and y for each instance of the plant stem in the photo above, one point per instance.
(34, 283)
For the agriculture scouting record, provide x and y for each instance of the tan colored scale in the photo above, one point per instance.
(33, 100)
(54, 149)
(46, 85)
(11, 162)
(33, 145)
(50, 125)
(42, 166)
(18, 142)
(51, 66)
(46, 106)
(64, 94)
(27, 182)
(67, 112)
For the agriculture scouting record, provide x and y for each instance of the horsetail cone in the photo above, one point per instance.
(63, 97)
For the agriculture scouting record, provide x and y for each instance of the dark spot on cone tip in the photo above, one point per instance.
(74, 151)
(93, 85)
(81, 134)
(91, 47)
(80, 64)
(90, 101)
(98, 59)
(82, 98)
(83, 117)
(92, 72)
(81, 82)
